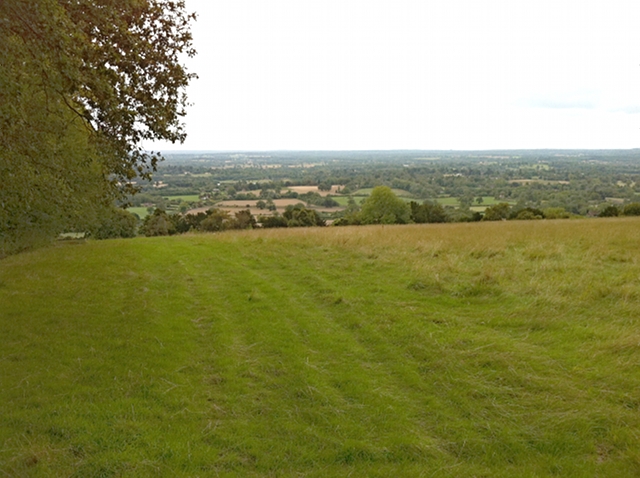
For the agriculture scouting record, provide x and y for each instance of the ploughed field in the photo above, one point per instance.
(485, 349)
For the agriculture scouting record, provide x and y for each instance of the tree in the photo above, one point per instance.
(631, 209)
(427, 212)
(158, 224)
(273, 221)
(325, 185)
(497, 212)
(243, 220)
(384, 207)
(527, 213)
(82, 84)
(351, 215)
(217, 220)
(556, 213)
(117, 223)
(330, 202)
(300, 216)
(610, 211)
(190, 222)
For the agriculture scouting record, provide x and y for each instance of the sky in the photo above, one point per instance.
(413, 74)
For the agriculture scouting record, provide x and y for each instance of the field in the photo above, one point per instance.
(480, 349)
(486, 201)
(142, 212)
(281, 206)
(186, 198)
(314, 189)
(367, 192)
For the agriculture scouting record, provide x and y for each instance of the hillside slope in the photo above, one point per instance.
(438, 350)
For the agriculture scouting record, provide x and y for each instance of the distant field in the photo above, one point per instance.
(453, 350)
(186, 198)
(314, 189)
(367, 192)
(539, 181)
(140, 211)
(344, 200)
(233, 209)
(281, 205)
(486, 201)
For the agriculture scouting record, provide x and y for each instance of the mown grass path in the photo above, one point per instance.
(441, 350)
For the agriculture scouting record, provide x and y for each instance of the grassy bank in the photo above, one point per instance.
(485, 349)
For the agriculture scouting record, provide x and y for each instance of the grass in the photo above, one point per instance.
(486, 349)
(142, 212)
(343, 200)
(367, 192)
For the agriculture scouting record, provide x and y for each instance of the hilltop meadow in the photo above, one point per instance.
(490, 349)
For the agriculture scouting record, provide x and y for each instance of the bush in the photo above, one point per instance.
(243, 220)
(610, 211)
(298, 216)
(427, 212)
(498, 212)
(116, 223)
(217, 220)
(631, 209)
(527, 213)
(158, 224)
(273, 221)
(190, 222)
(556, 213)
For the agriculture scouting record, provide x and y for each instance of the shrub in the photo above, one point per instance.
(556, 213)
(498, 212)
(273, 221)
(427, 212)
(243, 220)
(217, 220)
(158, 224)
(116, 223)
(527, 213)
(631, 209)
(298, 216)
(609, 211)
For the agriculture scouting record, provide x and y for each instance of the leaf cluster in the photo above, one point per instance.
(82, 84)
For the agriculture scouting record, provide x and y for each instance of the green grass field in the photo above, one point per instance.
(486, 349)
(343, 200)
(367, 192)
(186, 198)
(140, 211)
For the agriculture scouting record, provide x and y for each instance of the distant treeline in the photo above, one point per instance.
(381, 207)
(580, 181)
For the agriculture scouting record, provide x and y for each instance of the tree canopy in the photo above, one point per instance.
(384, 207)
(82, 84)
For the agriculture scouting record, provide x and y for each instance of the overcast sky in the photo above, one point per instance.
(414, 74)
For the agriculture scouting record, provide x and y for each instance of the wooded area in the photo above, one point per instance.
(82, 84)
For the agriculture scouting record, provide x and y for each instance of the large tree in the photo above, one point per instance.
(83, 83)
(384, 207)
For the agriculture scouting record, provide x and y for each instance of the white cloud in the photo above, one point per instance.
(354, 74)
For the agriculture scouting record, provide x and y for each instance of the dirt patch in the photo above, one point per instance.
(241, 204)
(539, 181)
(314, 189)
(287, 202)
